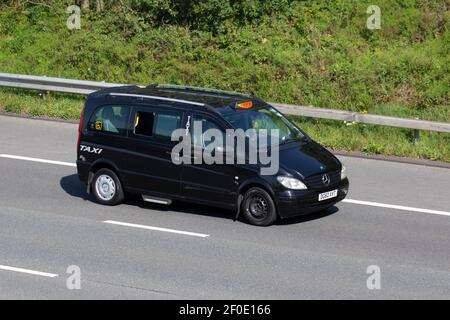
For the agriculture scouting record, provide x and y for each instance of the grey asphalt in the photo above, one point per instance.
(48, 223)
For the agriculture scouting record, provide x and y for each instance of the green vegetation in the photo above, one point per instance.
(372, 139)
(36, 104)
(301, 52)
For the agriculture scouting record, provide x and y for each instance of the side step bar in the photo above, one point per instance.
(156, 200)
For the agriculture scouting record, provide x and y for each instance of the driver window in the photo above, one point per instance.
(269, 120)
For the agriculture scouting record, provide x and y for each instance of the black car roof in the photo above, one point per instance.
(209, 97)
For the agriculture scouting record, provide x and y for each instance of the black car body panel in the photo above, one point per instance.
(308, 158)
(144, 165)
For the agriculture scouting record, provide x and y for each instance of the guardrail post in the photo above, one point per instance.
(416, 136)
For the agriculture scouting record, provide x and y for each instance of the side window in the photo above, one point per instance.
(143, 123)
(110, 119)
(156, 124)
(199, 140)
(166, 124)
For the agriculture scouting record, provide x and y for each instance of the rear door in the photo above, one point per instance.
(150, 169)
(106, 135)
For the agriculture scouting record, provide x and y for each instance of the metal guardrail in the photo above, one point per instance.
(86, 87)
(363, 118)
(52, 84)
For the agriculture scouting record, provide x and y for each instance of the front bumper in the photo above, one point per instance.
(293, 203)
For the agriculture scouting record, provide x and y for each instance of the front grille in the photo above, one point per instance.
(315, 182)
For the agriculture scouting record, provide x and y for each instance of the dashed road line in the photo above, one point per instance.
(60, 163)
(396, 207)
(141, 226)
(29, 271)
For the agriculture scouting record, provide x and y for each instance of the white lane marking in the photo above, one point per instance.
(37, 273)
(360, 202)
(9, 156)
(397, 207)
(202, 235)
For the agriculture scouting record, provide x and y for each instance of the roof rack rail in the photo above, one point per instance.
(211, 90)
(119, 94)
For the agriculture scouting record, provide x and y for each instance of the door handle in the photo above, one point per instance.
(180, 154)
(177, 157)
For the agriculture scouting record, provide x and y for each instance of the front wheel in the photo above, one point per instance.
(107, 187)
(258, 207)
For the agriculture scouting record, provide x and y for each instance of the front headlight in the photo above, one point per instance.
(291, 183)
(343, 173)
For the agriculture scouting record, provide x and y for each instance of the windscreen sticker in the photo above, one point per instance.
(98, 125)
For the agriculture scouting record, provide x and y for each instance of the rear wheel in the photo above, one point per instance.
(258, 207)
(107, 188)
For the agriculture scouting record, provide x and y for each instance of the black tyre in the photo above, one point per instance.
(258, 207)
(107, 188)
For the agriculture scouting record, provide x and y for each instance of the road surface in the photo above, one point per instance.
(143, 251)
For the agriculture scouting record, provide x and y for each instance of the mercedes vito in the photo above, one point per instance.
(125, 146)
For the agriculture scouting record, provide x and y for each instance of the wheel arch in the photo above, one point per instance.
(260, 183)
(102, 164)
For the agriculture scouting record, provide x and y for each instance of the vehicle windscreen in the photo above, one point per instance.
(264, 118)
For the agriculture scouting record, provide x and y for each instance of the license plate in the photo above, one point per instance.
(328, 195)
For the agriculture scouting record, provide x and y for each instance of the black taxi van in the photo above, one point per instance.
(125, 147)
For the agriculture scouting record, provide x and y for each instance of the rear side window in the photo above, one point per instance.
(143, 124)
(156, 124)
(110, 119)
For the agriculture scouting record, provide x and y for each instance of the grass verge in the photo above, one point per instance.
(369, 139)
